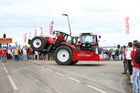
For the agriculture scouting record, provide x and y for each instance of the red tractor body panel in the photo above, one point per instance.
(79, 55)
(94, 43)
(72, 46)
(79, 44)
(50, 40)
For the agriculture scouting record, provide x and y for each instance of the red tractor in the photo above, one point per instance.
(65, 49)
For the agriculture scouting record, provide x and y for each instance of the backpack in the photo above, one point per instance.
(137, 56)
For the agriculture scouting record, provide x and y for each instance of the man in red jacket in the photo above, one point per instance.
(136, 67)
(3, 55)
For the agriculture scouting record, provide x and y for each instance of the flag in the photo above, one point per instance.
(127, 25)
(25, 37)
(41, 28)
(51, 27)
(29, 35)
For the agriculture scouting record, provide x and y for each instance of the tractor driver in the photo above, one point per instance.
(59, 39)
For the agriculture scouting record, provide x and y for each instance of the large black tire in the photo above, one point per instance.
(38, 43)
(63, 55)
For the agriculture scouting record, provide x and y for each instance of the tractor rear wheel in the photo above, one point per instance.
(38, 43)
(63, 55)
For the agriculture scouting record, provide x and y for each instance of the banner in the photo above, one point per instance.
(51, 27)
(25, 37)
(29, 35)
(127, 25)
(41, 28)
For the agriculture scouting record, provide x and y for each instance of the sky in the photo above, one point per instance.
(102, 17)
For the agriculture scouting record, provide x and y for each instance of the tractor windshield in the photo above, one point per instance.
(67, 38)
(87, 38)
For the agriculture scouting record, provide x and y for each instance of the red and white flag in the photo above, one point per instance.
(25, 37)
(127, 25)
(51, 27)
(29, 35)
(41, 28)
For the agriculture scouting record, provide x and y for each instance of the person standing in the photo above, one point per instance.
(124, 59)
(36, 55)
(9, 53)
(16, 54)
(20, 51)
(28, 57)
(30, 54)
(134, 77)
(117, 54)
(113, 54)
(3, 55)
(128, 57)
(109, 54)
(24, 54)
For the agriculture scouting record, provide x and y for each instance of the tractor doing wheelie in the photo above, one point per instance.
(66, 49)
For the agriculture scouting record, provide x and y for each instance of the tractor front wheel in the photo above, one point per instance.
(63, 55)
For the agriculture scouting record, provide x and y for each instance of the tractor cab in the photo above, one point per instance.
(88, 41)
(61, 36)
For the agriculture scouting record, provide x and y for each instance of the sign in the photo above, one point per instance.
(8, 40)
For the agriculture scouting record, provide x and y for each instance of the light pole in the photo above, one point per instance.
(68, 22)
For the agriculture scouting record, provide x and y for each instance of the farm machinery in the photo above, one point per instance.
(66, 49)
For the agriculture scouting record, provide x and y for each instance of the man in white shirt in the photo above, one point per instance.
(128, 57)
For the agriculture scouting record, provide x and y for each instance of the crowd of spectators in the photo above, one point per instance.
(20, 54)
(113, 54)
(131, 65)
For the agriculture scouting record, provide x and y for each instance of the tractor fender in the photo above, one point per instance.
(67, 44)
